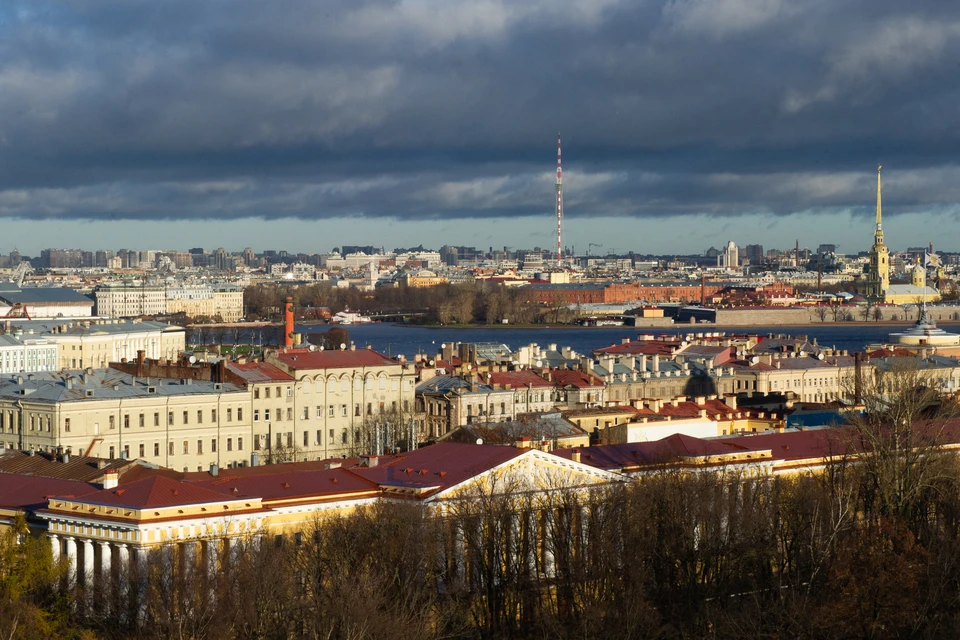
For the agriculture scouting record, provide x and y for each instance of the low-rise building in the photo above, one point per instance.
(181, 424)
(19, 353)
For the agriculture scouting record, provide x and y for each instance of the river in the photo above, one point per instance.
(408, 340)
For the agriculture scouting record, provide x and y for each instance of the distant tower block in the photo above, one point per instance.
(559, 206)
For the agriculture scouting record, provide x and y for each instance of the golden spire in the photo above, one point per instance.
(879, 208)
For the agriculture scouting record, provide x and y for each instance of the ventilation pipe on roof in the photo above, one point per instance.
(214, 469)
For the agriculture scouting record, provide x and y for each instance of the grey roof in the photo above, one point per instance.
(7, 340)
(79, 327)
(450, 384)
(101, 384)
(50, 295)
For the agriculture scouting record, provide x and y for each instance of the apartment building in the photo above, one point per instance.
(181, 424)
(130, 299)
(19, 353)
(346, 402)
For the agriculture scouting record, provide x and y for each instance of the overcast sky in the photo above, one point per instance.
(307, 125)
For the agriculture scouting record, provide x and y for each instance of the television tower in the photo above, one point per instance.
(559, 206)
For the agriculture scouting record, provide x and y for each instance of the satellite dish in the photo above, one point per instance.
(321, 347)
(469, 366)
(479, 440)
(432, 363)
(313, 347)
(820, 356)
(193, 359)
(539, 363)
(343, 346)
(443, 345)
(755, 359)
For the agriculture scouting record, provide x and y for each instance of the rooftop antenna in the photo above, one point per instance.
(559, 206)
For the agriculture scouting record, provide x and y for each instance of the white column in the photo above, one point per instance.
(548, 540)
(142, 576)
(106, 558)
(123, 567)
(213, 555)
(88, 564)
(55, 548)
(71, 562)
(189, 557)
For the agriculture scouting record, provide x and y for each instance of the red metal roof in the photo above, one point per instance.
(290, 484)
(31, 492)
(519, 379)
(155, 492)
(305, 359)
(258, 372)
(441, 465)
(575, 378)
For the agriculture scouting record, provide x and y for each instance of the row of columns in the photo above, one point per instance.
(68, 549)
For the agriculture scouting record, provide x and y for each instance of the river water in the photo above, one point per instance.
(409, 340)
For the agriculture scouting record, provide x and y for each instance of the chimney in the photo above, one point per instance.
(254, 459)
(288, 322)
(141, 356)
(730, 400)
(368, 461)
(111, 479)
(575, 455)
(214, 469)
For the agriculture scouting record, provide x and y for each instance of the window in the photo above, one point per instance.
(331, 436)
(256, 415)
(186, 447)
(383, 384)
(319, 412)
(393, 405)
(279, 414)
(369, 408)
(113, 422)
(289, 391)
(156, 449)
(279, 440)
(356, 410)
(289, 438)
(213, 445)
(199, 416)
(126, 421)
(306, 438)
(343, 437)
(199, 447)
(306, 413)
(66, 425)
(111, 453)
(406, 405)
(170, 418)
(170, 448)
(186, 417)
(343, 410)
(289, 413)
(330, 411)
(266, 392)
(240, 444)
(298, 538)
(156, 418)
(319, 436)
(256, 393)
(240, 414)
(213, 415)
(266, 414)
(142, 450)
(229, 415)
(278, 392)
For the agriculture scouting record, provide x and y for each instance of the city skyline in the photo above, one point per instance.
(424, 122)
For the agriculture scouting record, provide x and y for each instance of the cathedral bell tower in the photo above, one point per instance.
(878, 277)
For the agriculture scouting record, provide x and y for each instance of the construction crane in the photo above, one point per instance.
(21, 272)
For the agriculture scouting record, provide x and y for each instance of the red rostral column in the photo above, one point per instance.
(288, 317)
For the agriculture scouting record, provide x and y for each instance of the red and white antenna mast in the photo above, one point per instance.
(559, 206)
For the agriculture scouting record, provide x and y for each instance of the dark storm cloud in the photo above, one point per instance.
(439, 109)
